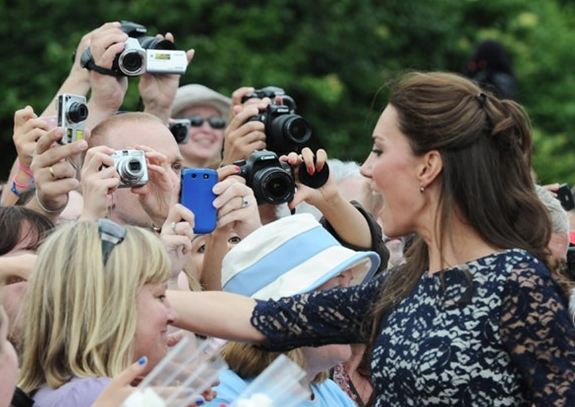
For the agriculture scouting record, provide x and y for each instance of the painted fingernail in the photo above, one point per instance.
(310, 169)
(199, 402)
(237, 168)
(143, 360)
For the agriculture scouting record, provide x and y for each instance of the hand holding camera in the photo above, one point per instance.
(54, 174)
(242, 137)
(99, 179)
(28, 128)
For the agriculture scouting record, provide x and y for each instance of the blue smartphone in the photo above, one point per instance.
(196, 195)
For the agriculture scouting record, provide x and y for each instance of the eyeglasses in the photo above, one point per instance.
(215, 122)
(111, 234)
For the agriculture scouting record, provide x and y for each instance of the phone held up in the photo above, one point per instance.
(196, 194)
(565, 196)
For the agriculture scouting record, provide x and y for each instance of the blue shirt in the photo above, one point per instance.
(326, 394)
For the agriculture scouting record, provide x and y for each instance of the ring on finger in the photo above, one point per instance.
(173, 226)
(52, 172)
(245, 201)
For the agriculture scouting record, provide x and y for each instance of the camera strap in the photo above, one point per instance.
(87, 61)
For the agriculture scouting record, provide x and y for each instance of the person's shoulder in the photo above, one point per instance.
(520, 259)
(78, 392)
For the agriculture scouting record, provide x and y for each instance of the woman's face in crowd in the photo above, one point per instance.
(392, 167)
(204, 142)
(199, 248)
(8, 363)
(154, 315)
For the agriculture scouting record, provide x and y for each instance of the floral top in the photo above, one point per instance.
(512, 344)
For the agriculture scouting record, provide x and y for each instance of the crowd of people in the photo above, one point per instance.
(434, 273)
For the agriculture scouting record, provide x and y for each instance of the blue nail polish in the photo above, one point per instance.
(200, 402)
(142, 361)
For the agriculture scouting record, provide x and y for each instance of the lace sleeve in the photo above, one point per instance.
(318, 318)
(539, 335)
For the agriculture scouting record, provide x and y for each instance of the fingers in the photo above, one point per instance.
(180, 221)
(240, 93)
(128, 375)
(175, 337)
(226, 171)
(21, 116)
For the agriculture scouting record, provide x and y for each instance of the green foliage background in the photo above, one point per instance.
(334, 57)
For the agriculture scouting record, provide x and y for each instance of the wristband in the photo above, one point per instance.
(23, 187)
(87, 61)
(15, 191)
(25, 169)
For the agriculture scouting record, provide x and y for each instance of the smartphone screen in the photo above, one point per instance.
(196, 195)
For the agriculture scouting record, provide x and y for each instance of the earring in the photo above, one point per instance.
(421, 189)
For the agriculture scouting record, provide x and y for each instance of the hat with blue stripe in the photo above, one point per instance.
(292, 255)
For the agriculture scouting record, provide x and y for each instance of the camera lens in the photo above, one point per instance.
(273, 185)
(287, 132)
(130, 169)
(131, 62)
(77, 112)
(180, 133)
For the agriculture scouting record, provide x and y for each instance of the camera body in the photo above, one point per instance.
(285, 130)
(132, 168)
(138, 58)
(271, 92)
(270, 179)
(143, 54)
(180, 129)
(72, 113)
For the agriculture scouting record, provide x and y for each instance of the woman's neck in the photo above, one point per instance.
(460, 244)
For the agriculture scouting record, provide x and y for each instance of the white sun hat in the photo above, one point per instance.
(195, 94)
(292, 255)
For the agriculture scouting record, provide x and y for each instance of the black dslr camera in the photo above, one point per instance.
(270, 179)
(285, 131)
(271, 92)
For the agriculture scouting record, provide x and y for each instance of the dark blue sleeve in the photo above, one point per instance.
(335, 316)
(540, 336)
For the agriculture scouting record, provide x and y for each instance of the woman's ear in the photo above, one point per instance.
(430, 167)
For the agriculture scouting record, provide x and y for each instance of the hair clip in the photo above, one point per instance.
(481, 98)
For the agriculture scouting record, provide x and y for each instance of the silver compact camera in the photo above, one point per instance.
(179, 129)
(136, 59)
(72, 113)
(132, 168)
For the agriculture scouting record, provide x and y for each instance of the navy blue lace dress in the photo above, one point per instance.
(512, 344)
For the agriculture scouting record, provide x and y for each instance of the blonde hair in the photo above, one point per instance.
(80, 316)
(248, 361)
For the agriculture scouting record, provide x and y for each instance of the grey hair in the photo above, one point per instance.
(558, 215)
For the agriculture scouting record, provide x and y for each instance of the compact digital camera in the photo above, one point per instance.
(132, 168)
(271, 92)
(285, 131)
(270, 179)
(72, 113)
(179, 129)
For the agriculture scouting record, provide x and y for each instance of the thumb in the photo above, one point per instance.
(129, 375)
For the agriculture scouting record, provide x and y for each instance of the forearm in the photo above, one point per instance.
(36, 206)
(75, 84)
(348, 222)
(211, 275)
(215, 313)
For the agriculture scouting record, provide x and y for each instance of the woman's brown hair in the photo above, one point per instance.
(485, 144)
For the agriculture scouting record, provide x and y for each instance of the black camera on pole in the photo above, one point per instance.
(270, 179)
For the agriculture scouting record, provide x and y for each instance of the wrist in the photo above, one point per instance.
(330, 203)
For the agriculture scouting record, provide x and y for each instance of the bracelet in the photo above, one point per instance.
(43, 207)
(15, 191)
(20, 186)
(25, 169)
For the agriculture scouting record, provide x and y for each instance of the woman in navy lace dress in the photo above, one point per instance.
(475, 316)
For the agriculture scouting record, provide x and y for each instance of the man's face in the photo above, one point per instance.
(128, 135)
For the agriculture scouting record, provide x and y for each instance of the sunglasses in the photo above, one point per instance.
(215, 122)
(111, 234)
